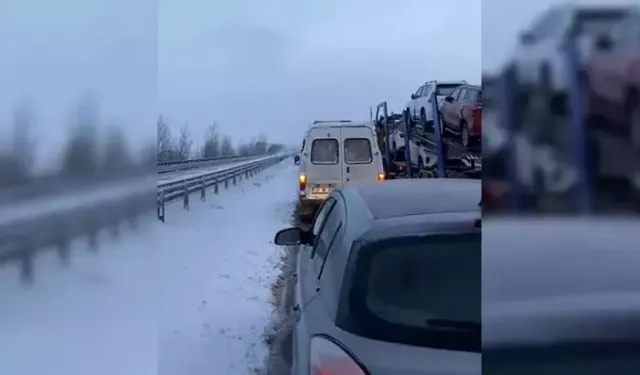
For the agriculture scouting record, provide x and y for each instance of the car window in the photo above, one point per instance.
(324, 151)
(419, 91)
(326, 238)
(357, 151)
(471, 95)
(421, 290)
(321, 215)
(304, 141)
(427, 91)
(456, 93)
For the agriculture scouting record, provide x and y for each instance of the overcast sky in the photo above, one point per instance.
(253, 66)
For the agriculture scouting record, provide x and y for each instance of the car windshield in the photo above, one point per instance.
(562, 359)
(424, 290)
(324, 151)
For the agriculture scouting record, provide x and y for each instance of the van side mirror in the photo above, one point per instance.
(296, 160)
(413, 96)
(527, 38)
(289, 237)
(604, 43)
(448, 99)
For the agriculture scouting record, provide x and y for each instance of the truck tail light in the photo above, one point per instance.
(327, 358)
(303, 182)
(476, 116)
(381, 177)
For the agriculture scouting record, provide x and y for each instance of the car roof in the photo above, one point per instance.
(412, 206)
(541, 275)
(407, 197)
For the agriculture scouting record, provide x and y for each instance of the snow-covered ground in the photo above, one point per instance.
(216, 285)
(191, 296)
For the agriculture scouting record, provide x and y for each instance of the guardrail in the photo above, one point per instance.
(176, 165)
(183, 188)
(52, 224)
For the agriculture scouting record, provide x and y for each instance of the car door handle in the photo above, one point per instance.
(348, 169)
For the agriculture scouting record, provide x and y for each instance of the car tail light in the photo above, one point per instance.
(303, 182)
(381, 176)
(476, 115)
(327, 358)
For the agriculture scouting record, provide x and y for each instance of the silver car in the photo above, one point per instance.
(388, 281)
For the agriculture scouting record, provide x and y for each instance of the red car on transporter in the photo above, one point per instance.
(611, 94)
(461, 114)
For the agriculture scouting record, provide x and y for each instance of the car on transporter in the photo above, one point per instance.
(388, 281)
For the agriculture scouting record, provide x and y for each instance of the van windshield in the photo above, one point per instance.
(423, 291)
(357, 151)
(324, 151)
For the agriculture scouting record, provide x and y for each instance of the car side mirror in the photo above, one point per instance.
(413, 96)
(296, 160)
(603, 43)
(527, 38)
(289, 237)
(448, 99)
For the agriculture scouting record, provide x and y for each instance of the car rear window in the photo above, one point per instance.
(596, 22)
(446, 89)
(357, 151)
(423, 290)
(324, 151)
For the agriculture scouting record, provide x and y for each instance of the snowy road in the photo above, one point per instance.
(191, 296)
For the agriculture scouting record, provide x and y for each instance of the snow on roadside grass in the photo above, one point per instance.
(216, 276)
(93, 317)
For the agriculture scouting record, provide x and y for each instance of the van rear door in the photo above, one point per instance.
(323, 167)
(361, 158)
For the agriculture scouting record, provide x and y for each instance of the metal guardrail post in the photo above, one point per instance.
(185, 197)
(215, 187)
(234, 178)
(203, 188)
(92, 237)
(226, 182)
(62, 247)
(26, 265)
(161, 206)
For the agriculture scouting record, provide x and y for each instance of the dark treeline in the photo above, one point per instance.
(214, 144)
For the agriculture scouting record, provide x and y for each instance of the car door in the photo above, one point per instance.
(425, 101)
(413, 104)
(359, 156)
(324, 172)
(306, 286)
(448, 110)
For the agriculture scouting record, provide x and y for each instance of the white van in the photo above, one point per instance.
(336, 154)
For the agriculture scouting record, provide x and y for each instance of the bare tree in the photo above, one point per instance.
(260, 145)
(165, 141)
(116, 158)
(211, 146)
(226, 147)
(23, 143)
(184, 143)
(80, 158)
